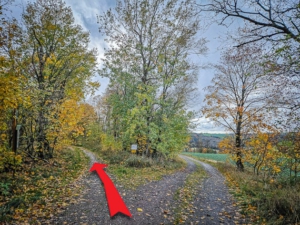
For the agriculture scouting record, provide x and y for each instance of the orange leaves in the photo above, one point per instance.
(276, 169)
(240, 109)
(251, 207)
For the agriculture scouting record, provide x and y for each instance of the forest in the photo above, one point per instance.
(48, 102)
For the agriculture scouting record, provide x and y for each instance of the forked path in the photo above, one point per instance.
(213, 204)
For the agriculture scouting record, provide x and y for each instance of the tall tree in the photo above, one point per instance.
(236, 98)
(275, 23)
(57, 65)
(11, 93)
(149, 70)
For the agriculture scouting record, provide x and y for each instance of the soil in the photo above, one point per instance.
(213, 204)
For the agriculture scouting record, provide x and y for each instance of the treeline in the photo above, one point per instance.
(202, 142)
(46, 71)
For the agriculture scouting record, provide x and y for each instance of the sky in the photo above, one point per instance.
(85, 13)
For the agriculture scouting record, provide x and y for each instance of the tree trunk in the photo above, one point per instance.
(239, 162)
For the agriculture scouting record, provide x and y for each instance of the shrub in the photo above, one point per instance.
(114, 157)
(138, 162)
(5, 188)
(271, 201)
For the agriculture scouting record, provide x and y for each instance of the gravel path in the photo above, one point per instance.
(215, 204)
(154, 198)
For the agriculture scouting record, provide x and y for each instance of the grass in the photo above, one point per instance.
(264, 201)
(132, 171)
(40, 189)
(208, 156)
(185, 195)
(269, 202)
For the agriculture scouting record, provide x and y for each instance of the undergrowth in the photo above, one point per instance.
(132, 171)
(274, 201)
(264, 201)
(40, 189)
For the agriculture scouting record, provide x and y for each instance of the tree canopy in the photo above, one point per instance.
(151, 77)
(46, 63)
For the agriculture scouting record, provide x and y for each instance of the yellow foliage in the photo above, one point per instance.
(109, 143)
(10, 160)
(71, 122)
(227, 145)
(262, 154)
(276, 169)
(10, 93)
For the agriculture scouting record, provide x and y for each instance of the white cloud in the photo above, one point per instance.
(205, 125)
(85, 14)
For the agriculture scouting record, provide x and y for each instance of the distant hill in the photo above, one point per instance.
(206, 140)
(215, 135)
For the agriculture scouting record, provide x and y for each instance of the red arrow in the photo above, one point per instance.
(114, 200)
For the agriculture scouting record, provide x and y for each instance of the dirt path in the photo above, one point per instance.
(155, 198)
(216, 205)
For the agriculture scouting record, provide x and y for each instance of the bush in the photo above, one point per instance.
(138, 162)
(271, 201)
(5, 188)
(114, 157)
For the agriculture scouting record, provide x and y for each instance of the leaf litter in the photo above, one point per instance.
(207, 201)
